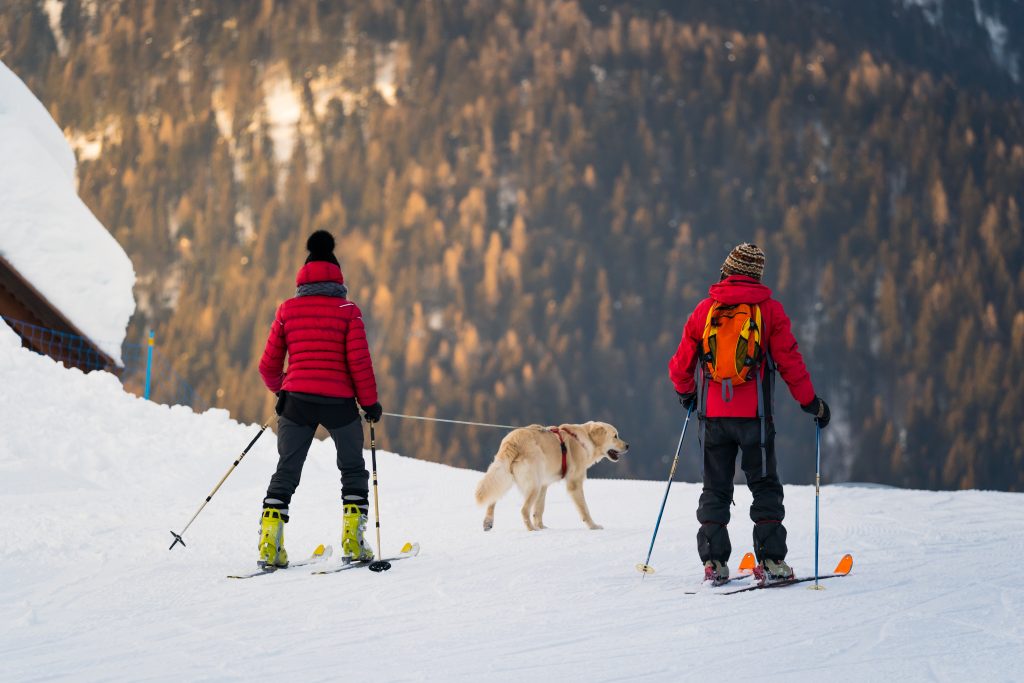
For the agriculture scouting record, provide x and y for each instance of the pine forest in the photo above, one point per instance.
(529, 197)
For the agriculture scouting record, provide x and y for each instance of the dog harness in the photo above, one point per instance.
(565, 449)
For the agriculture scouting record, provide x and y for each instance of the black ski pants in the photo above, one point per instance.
(296, 426)
(723, 438)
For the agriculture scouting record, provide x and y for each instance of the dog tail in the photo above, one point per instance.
(496, 482)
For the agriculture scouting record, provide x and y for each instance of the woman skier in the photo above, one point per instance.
(329, 370)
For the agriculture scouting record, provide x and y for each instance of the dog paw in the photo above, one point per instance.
(595, 527)
(488, 524)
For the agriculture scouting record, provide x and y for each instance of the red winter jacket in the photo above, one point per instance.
(777, 339)
(325, 341)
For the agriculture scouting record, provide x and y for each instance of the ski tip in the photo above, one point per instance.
(320, 550)
(845, 565)
(644, 568)
(410, 549)
(747, 563)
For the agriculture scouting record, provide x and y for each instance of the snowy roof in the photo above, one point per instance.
(47, 233)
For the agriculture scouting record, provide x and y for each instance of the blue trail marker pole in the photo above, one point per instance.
(149, 363)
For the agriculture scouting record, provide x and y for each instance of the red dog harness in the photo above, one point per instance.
(565, 449)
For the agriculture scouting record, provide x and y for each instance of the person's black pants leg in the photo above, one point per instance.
(720, 450)
(293, 441)
(348, 440)
(767, 510)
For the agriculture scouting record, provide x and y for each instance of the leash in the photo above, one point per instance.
(456, 422)
(554, 430)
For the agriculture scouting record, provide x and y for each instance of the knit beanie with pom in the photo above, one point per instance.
(745, 259)
(321, 247)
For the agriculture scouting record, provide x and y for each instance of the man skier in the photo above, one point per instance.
(736, 337)
(329, 369)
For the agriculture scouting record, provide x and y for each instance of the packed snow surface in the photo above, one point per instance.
(47, 233)
(95, 478)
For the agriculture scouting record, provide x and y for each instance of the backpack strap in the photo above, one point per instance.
(762, 416)
(705, 342)
(761, 420)
(703, 386)
(755, 342)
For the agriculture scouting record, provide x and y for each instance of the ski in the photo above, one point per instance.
(842, 569)
(781, 584)
(408, 550)
(321, 554)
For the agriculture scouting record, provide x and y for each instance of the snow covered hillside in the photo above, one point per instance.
(93, 480)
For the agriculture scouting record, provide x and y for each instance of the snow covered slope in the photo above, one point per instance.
(94, 478)
(47, 233)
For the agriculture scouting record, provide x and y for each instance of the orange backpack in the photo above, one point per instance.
(731, 348)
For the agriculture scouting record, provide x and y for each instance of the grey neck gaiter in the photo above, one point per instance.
(322, 289)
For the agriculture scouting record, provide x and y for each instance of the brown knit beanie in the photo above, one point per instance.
(745, 259)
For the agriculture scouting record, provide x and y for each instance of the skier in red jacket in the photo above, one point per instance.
(730, 418)
(329, 369)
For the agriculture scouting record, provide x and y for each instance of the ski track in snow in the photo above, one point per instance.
(96, 478)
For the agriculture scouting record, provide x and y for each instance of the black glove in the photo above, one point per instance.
(282, 396)
(819, 409)
(373, 413)
(688, 400)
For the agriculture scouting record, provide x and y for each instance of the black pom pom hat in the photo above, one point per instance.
(321, 248)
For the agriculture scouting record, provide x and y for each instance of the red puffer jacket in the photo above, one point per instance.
(777, 339)
(325, 341)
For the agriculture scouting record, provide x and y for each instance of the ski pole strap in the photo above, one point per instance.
(704, 386)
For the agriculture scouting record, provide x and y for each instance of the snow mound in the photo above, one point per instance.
(9, 339)
(47, 233)
(95, 478)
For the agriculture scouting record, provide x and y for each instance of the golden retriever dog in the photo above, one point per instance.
(532, 459)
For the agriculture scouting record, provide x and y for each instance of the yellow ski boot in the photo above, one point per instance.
(272, 552)
(353, 542)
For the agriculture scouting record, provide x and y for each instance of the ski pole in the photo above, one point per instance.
(381, 565)
(646, 568)
(817, 500)
(178, 537)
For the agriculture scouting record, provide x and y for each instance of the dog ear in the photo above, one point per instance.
(598, 432)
